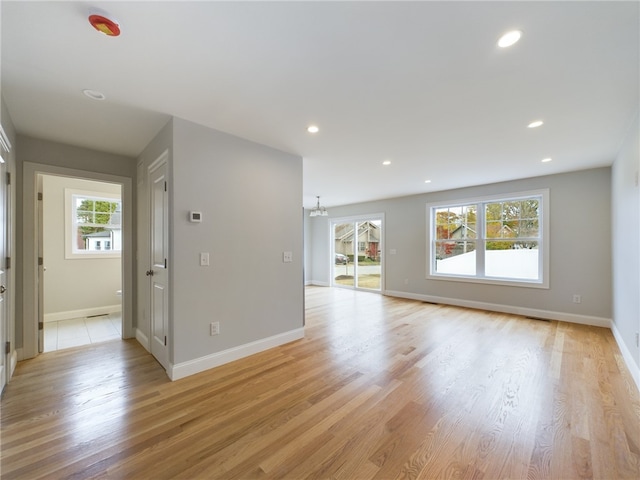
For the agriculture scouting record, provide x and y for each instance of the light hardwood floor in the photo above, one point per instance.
(379, 388)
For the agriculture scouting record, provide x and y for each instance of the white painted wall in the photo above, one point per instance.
(626, 246)
(73, 286)
(580, 246)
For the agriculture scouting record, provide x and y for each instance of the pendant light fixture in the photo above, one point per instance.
(318, 211)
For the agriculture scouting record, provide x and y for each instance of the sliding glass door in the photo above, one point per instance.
(357, 253)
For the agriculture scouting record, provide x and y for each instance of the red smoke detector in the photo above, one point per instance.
(104, 25)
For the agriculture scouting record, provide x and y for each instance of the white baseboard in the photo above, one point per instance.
(495, 307)
(143, 339)
(201, 364)
(14, 363)
(318, 283)
(85, 312)
(633, 367)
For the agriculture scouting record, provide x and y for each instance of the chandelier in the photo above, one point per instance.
(318, 211)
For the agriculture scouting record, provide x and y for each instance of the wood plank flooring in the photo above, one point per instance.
(379, 388)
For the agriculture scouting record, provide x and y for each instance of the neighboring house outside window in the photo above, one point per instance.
(98, 241)
(94, 224)
(368, 240)
(491, 239)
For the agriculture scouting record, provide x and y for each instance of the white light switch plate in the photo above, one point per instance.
(287, 257)
(204, 259)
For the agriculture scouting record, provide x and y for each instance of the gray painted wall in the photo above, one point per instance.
(78, 283)
(247, 288)
(626, 241)
(580, 245)
(61, 155)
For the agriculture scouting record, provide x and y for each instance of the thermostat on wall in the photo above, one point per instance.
(195, 217)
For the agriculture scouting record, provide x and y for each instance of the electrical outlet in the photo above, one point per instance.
(577, 298)
(214, 328)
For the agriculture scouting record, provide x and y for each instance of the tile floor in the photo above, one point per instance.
(82, 331)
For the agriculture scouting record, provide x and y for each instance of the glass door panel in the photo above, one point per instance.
(343, 267)
(369, 270)
(357, 254)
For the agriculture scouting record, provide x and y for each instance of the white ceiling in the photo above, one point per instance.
(419, 83)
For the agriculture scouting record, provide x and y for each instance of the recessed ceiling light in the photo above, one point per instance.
(427, 181)
(94, 94)
(546, 160)
(313, 129)
(535, 124)
(387, 162)
(509, 38)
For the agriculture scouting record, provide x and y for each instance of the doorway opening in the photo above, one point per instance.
(357, 246)
(80, 278)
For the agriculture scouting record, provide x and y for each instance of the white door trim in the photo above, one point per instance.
(30, 257)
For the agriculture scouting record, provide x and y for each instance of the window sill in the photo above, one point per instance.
(92, 256)
(491, 281)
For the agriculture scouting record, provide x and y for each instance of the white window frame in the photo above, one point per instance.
(543, 244)
(70, 251)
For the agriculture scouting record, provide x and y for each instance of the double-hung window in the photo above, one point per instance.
(93, 224)
(498, 239)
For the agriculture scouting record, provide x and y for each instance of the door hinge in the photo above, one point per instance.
(40, 325)
(7, 348)
(165, 263)
(8, 178)
(39, 195)
(165, 186)
(165, 340)
(7, 263)
(40, 261)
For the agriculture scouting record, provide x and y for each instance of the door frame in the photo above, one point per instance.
(5, 240)
(332, 247)
(30, 291)
(7, 325)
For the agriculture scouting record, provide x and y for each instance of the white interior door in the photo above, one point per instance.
(40, 278)
(4, 356)
(158, 273)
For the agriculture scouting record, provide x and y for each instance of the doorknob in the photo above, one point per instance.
(2, 289)
(149, 273)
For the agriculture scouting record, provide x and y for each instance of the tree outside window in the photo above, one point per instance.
(95, 224)
(492, 239)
